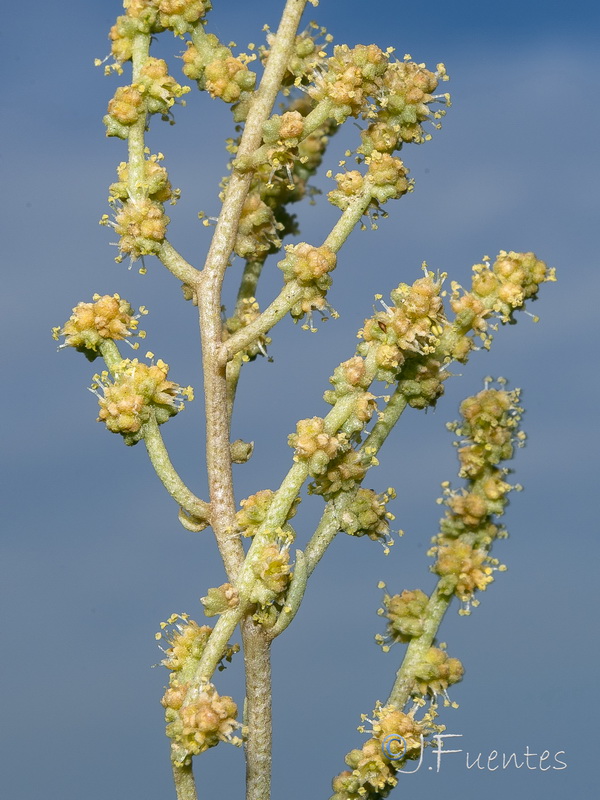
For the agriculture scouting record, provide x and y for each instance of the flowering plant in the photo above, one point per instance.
(403, 358)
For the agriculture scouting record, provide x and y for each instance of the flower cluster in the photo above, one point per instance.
(367, 515)
(155, 184)
(342, 474)
(349, 79)
(153, 16)
(307, 57)
(142, 226)
(314, 446)
(436, 672)
(497, 289)
(154, 92)
(309, 267)
(138, 201)
(410, 328)
(186, 642)
(217, 71)
(407, 92)
(197, 717)
(386, 179)
(220, 599)
(247, 310)
(258, 230)
(109, 317)
(405, 614)
(203, 722)
(271, 568)
(253, 513)
(280, 177)
(490, 428)
(137, 392)
(373, 767)
(269, 564)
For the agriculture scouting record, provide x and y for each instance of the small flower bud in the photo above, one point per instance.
(405, 614)
(220, 599)
(436, 672)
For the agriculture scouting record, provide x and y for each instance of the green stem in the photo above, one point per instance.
(247, 290)
(292, 291)
(208, 291)
(135, 140)
(177, 265)
(418, 647)
(317, 117)
(249, 282)
(185, 785)
(159, 457)
(276, 311)
(218, 642)
(258, 710)
(111, 355)
(293, 597)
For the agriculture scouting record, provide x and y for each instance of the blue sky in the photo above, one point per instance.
(93, 557)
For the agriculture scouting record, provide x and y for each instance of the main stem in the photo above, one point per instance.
(208, 293)
(257, 660)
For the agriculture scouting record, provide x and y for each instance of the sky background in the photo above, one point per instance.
(92, 554)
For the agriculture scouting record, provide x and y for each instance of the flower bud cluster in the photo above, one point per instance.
(220, 599)
(153, 16)
(253, 513)
(270, 562)
(271, 568)
(281, 178)
(436, 672)
(186, 640)
(407, 92)
(372, 772)
(309, 267)
(138, 392)
(351, 378)
(368, 515)
(385, 180)
(142, 226)
(109, 317)
(181, 15)
(154, 92)
(155, 184)
(349, 79)
(217, 71)
(197, 717)
(313, 446)
(421, 381)
(342, 474)
(203, 722)
(411, 328)
(499, 288)
(490, 428)
(258, 230)
(285, 128)
(307, 56)
(386, 177)
(405, 613)
(247, 311)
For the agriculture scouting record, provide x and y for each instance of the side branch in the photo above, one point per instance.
(159, 457)
(292, 291)
(177, 265)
